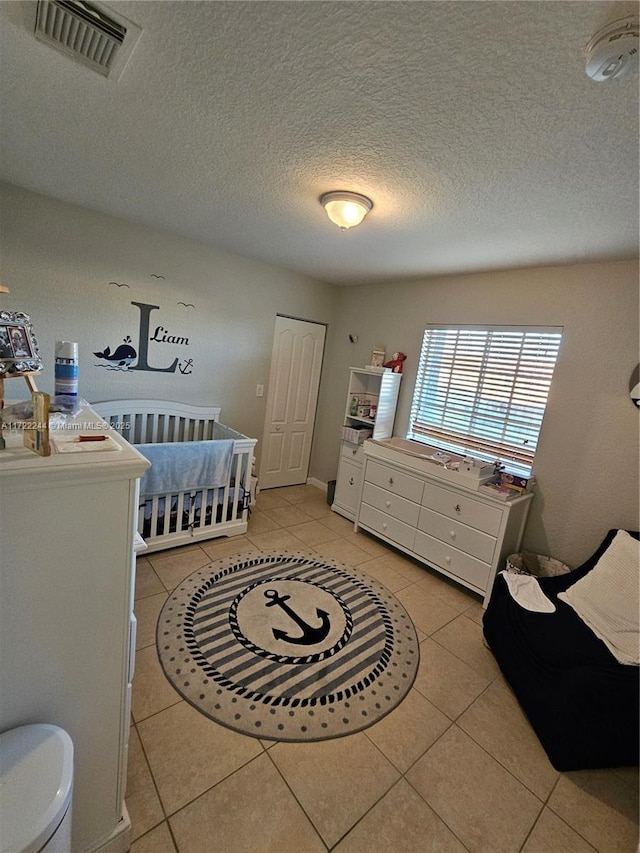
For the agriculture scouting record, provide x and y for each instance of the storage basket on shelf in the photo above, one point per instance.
(356, 435)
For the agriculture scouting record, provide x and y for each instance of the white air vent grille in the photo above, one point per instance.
(82, 31)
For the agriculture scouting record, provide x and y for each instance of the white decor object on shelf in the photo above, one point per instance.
(378, 357)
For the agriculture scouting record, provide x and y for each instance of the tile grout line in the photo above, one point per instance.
(413, 787)
(156, 789)
(293, 794)
(168, 816)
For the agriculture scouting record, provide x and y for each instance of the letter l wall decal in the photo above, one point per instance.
(143, 346)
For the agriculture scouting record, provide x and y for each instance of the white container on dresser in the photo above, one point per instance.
(380, 388)
(67, 630)
(447, 524)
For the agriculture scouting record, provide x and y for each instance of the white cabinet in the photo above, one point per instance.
(367, 389)
(462, 533)
(66, 613)
(348, 483)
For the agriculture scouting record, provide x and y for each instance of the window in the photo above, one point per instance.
(483, 390)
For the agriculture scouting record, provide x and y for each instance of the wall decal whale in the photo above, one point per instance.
(123, 356)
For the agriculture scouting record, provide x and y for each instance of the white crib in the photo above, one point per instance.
(179, 518)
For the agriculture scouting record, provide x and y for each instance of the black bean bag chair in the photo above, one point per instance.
(582, 703)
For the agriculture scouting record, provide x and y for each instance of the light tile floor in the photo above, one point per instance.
(455, 767)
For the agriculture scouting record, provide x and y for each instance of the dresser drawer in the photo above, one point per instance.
(352, 452)
(394, 481)
(463, 566)
(387, 526)
(392, 504)
(469, 511)
(452, 532)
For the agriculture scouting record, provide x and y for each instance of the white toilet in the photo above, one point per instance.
(36, 784)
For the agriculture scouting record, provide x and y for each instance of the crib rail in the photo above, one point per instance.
(151, 421)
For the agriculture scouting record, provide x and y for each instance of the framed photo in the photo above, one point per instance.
(377, 358)
(18, 345)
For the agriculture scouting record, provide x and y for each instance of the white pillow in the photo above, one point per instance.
(607, 598)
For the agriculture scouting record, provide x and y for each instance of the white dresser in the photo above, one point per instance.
(436, 517)
(67, 630)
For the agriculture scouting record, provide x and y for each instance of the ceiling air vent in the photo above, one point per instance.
(84, 32)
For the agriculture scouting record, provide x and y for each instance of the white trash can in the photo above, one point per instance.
(36, 787)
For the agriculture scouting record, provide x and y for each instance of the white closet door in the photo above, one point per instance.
(294, 381)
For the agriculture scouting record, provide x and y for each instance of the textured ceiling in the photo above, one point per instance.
(471, 125)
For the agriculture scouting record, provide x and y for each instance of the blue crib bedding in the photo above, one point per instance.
(185, 465)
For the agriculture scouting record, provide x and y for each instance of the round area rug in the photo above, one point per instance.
(288, 646)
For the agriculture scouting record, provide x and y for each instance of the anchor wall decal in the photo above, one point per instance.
(310, 635)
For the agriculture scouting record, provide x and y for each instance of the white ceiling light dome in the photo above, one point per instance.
(346, 209)
(612, 53)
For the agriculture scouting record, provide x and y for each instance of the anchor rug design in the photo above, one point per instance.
(287, 646)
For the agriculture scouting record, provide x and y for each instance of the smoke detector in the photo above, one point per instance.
(90, 33)
(612, 53)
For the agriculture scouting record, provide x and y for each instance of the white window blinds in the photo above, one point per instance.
(483, 391)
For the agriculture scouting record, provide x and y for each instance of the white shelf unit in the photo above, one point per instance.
(382, 390)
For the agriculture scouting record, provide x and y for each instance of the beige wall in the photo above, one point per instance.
(59, 260)
(587, 461)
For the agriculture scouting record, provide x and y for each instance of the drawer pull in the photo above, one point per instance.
(387, 504)
(351, 481)
(452, 534)
(457, 508)
(354, 452)
(384, 525)
(447, 560)
(391, 481)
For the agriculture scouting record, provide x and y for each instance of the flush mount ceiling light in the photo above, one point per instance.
(346, 209)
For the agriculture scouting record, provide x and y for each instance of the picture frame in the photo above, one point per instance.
(377, 357)
(19, 351)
